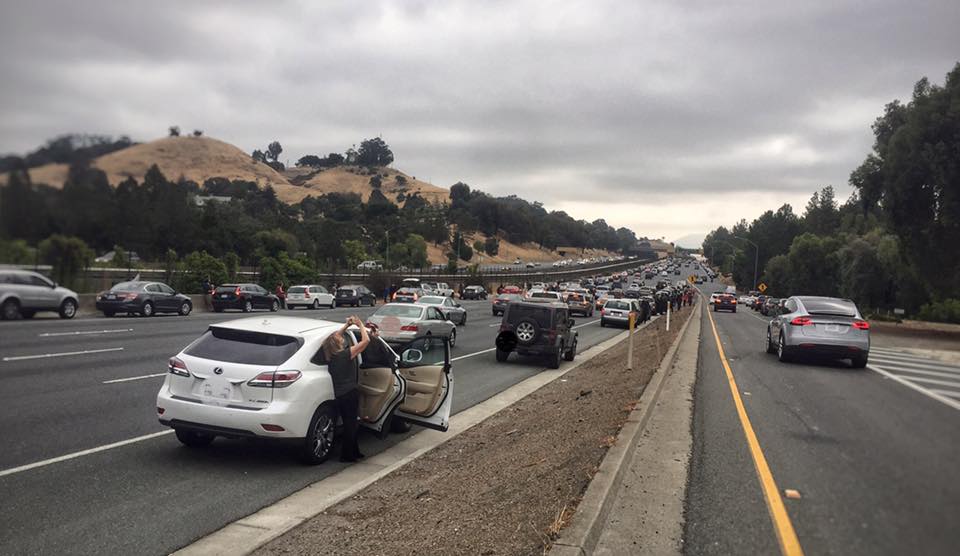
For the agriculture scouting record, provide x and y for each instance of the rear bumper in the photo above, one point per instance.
(118, 306)
(725, 307)
(238, 423)
(829, 350)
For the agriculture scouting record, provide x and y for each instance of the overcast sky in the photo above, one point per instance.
(670, 117)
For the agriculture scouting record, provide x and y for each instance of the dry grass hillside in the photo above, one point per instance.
(350, 179)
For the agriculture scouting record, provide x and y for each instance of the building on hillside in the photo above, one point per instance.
(654, 248)
(201, 200)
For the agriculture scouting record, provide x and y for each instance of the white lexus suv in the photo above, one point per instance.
(267, 377)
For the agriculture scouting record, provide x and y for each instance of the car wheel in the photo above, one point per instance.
(502, 355)
(782, 354)
(332, 305)
(193, 439)
(27, 313)
(553, 361)
(319, 441)
(275, 306)
(68, 309)
(247, 306)
(860, 361)
(734, 309)
(185, 308)
(453, 337)
(770, 347)
(10, 309)
(147, 309)
(316, 304)
(571, 353)
(526, 331)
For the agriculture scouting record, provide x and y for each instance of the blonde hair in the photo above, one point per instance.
(333, 345)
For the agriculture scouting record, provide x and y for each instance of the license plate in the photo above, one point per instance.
(111, 296)
(216, 392)
(224, 295)
(832, 328)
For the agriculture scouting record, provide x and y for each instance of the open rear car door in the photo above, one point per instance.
(382, 389)
(426, 370)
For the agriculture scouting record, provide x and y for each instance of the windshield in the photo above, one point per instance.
(407, 311)
(244, 347)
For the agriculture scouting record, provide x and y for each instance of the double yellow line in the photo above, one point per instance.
(789, 544)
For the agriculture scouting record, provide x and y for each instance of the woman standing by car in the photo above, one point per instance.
(343, 370)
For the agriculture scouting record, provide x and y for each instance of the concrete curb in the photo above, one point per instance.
(250, 533)
(583, 533)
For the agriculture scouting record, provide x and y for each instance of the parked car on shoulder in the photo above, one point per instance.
(401, 322)
(474, 292)
(24, 293)
(449, 308)
(142, 298)
(819, 326)
(355, 296)
(617, 312)
(536, 328)
(310, 296)
(245, 297)
(268, 378)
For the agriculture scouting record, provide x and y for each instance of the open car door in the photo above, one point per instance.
(425, 367)
(382, 389)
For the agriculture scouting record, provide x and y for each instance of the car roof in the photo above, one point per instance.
(349, 287)
(299, 326)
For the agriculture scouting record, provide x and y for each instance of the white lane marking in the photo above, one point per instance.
(84, 332)
(924, 364)
(929, 393)
(81, 453)
(495, 324)
(929, 380)
(955, 376)
(64, 354)
(116, 380)
(953, 394)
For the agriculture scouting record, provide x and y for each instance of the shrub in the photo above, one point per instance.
(947, 310)
(196, 267)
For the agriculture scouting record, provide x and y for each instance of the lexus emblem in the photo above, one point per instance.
(218, 370)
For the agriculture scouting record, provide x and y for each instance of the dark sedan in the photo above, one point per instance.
(768, 306)
(474, 292)
(501, 301)
(725, 302)
(143, 298)
(355, 296)
(245, 297)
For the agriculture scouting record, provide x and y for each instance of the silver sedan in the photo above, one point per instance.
(449, 308)
(823, 326)
(400, 323)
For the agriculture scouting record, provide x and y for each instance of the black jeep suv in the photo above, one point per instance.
(537, 328)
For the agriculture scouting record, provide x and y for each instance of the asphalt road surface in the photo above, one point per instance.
(873, 459)
(84, 384)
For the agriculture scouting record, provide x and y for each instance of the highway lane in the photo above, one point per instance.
(154, 496)
(874, 461)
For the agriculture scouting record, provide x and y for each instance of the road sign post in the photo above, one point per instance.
(630, 344)
(762, 287)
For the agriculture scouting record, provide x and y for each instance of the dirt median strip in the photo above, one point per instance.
(507, 485)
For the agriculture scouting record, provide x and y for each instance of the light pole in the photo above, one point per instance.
(756, 259)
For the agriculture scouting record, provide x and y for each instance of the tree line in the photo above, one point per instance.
(894, 242)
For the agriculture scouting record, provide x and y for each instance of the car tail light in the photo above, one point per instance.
(236, 292)
(801, 321)
(161, 411)
(733, 301)
(861, 325)
(274, 379)
(178, 367)
(272, 428)
(409, 328)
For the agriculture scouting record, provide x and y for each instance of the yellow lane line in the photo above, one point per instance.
(789, 544)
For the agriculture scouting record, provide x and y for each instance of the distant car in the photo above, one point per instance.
(821, 326)
(407, 295)
(616, 311)
(538, 328)
(369, 265)
(355, 296)
(580, 302)
(501, 302)
(769, 304)
(143, 298)
(245, 297)
(268, 378)
(310, 296)
(474, 292)
(24, 293)
(401, 322)
(725, 302)
(449, 308)
(554, 296)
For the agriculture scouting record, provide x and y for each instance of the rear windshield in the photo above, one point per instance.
(406, 291)
(408, 311)
(431, 300)
(544, 295)
(827, 306)
(508, 296)
(297, 289)
(541, 315)
(227, 288)
(244, 347)
(615, 304)
(128, 287)
(343, 292)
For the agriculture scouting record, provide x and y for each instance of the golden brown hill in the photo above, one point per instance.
(352, 179)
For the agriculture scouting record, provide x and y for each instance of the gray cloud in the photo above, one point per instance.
(572, 104)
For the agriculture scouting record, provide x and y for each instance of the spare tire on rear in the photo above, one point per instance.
(527, 331)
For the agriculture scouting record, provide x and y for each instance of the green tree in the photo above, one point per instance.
(120, 257)
(273, 151)
(491, 246)
(374, 152)
(479, 246)
(69, 256)
(16, 252)
(416, 251)
(232, 263)
(814, 266)
(354, 253)
(776, 275)
(198, 266)
(170, 259)
(822, 216)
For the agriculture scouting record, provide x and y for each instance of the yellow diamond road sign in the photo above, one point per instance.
(762, 287)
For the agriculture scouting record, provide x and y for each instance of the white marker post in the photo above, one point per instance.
(668, 316)
(630, 345)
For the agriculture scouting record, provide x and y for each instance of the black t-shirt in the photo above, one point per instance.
(343, 371)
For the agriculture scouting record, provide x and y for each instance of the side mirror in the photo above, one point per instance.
(412, 356)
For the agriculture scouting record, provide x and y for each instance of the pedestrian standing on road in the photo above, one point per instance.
(281, 295)
(342, 365)
(207, 289)
(386, 294)
(644, 310)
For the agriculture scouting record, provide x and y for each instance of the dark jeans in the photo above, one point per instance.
(348, 406)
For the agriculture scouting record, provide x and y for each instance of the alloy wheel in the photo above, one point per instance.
(525, 332)
(323, 435)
